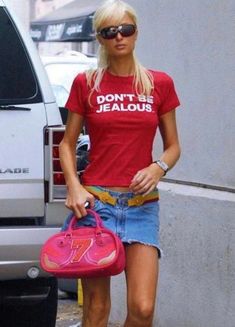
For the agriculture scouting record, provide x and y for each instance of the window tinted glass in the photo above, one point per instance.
(17, 81)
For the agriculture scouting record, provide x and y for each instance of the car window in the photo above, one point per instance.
(17, 80)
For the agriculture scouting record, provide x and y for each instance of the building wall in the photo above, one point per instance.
(28, 10)
(43, 8)
(193, 41)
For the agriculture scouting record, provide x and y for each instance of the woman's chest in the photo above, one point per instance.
(122, 109)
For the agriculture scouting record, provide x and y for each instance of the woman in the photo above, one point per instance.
(122, 104)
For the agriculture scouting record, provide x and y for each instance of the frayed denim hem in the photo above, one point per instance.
(131, 241)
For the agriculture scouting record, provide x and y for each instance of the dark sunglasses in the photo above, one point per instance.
(111, 32)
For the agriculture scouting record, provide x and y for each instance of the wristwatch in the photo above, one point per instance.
(162, 165)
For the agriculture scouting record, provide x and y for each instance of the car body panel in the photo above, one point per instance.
(23, 217)
(22, 165)
(28, 242)
(22, 131)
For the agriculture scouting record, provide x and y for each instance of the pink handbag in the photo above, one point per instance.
(85, 251)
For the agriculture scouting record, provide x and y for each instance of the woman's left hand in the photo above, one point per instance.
(146, 180)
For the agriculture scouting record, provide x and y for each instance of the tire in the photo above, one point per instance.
(39, 311)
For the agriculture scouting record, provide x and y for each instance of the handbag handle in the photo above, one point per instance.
(98, 220)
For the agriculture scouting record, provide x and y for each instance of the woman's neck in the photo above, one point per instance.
(121, 67)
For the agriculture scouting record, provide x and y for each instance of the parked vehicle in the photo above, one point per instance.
(61, 72)
(32, 188)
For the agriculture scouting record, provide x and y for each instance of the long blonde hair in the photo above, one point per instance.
(143, 80)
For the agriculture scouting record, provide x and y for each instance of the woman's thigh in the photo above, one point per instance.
(142, 267)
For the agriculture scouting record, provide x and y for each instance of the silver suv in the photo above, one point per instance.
(31, 192)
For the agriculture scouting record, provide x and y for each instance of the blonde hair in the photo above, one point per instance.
(143, 80)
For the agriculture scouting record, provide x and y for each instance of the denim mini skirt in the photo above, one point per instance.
(133, 224)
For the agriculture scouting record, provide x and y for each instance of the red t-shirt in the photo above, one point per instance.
(121, 125)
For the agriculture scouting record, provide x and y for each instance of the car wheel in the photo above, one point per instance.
(34, 304)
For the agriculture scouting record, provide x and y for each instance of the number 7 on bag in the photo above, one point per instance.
(80, 246)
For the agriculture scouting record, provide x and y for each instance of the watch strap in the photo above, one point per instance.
(164, 166)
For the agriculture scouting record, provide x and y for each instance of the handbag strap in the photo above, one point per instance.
(98, 220)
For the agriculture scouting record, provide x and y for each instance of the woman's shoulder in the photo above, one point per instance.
(83, 75)
(80, 78)
(161, 77)
(164, 87)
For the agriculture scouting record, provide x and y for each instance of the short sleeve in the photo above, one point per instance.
(169, 98)
(75, 102)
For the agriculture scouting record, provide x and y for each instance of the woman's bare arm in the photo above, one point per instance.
(77, 195)
(146, 179)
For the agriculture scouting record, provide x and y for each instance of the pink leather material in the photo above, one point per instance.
(83, 251)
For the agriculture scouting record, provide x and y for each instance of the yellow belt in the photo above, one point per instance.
(136, 200)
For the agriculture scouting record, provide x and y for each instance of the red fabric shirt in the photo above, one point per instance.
(121, 125)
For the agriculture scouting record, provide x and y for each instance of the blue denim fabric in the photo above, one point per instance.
(136, 224)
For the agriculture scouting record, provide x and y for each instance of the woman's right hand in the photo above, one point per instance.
(77, 196)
